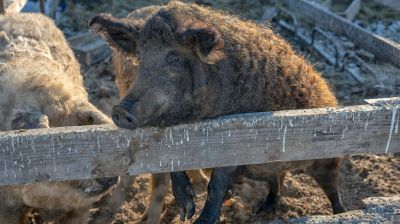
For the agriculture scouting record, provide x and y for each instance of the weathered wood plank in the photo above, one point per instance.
(95, 151)
(383, 48)
(394, 4)
(353, 9)
(13, 6)
(42, 6)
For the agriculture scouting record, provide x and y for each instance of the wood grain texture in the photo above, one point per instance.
(97, 151)
(383, 48)
(353, 9)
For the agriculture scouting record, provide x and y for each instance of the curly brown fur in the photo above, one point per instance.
(41, 86)
(259, 71)
(198, 63)
(126, 67)
(265, 74)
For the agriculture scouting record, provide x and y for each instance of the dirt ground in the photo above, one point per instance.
(361, 176)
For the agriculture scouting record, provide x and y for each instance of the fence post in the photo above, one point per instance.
(2, 7)
(42, 6)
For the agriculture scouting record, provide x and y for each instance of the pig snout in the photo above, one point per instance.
(123, 115)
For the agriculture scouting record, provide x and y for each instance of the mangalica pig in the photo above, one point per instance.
(126, 66)
(197, 63)
(40, 87)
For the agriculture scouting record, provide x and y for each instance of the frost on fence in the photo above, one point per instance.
(97, 151)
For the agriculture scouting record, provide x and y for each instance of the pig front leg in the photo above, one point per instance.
(159, 184)
(184, 194)
(221, 181)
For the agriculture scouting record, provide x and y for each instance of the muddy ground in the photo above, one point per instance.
(361, 176)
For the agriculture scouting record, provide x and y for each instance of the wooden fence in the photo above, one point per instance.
(98, 151)
(11, 6)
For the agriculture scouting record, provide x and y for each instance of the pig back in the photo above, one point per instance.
(37, 67)
(34, 36)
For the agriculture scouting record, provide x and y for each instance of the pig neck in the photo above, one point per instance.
(235, 87)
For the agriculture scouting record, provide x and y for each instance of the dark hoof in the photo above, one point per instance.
(184, 195)
(339, 209)
(208, 217)
(186, 204)
(208, 221)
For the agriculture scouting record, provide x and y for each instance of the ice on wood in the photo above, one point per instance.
(228, 141)
(392, 123)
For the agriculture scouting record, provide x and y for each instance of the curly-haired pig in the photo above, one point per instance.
(126, 65)
(198, 63)
(41, 86)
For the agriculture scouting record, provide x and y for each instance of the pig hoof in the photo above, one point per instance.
(338, 209)
(207, 221)
(184, 194)
(187, 210)
(186, 203)
(208, 217)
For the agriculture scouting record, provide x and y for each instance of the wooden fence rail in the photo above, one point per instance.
(99, 151)
(11, 6)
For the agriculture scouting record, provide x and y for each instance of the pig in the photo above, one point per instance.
(197, 63)
(126, 67)
(41, 87)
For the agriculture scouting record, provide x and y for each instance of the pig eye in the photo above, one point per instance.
(174, 59)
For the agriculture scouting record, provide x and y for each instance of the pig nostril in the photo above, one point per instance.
(129, 119)
(116, 117)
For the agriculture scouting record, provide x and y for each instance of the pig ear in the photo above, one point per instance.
(118, 33)
(205, 40)
(30, 120)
